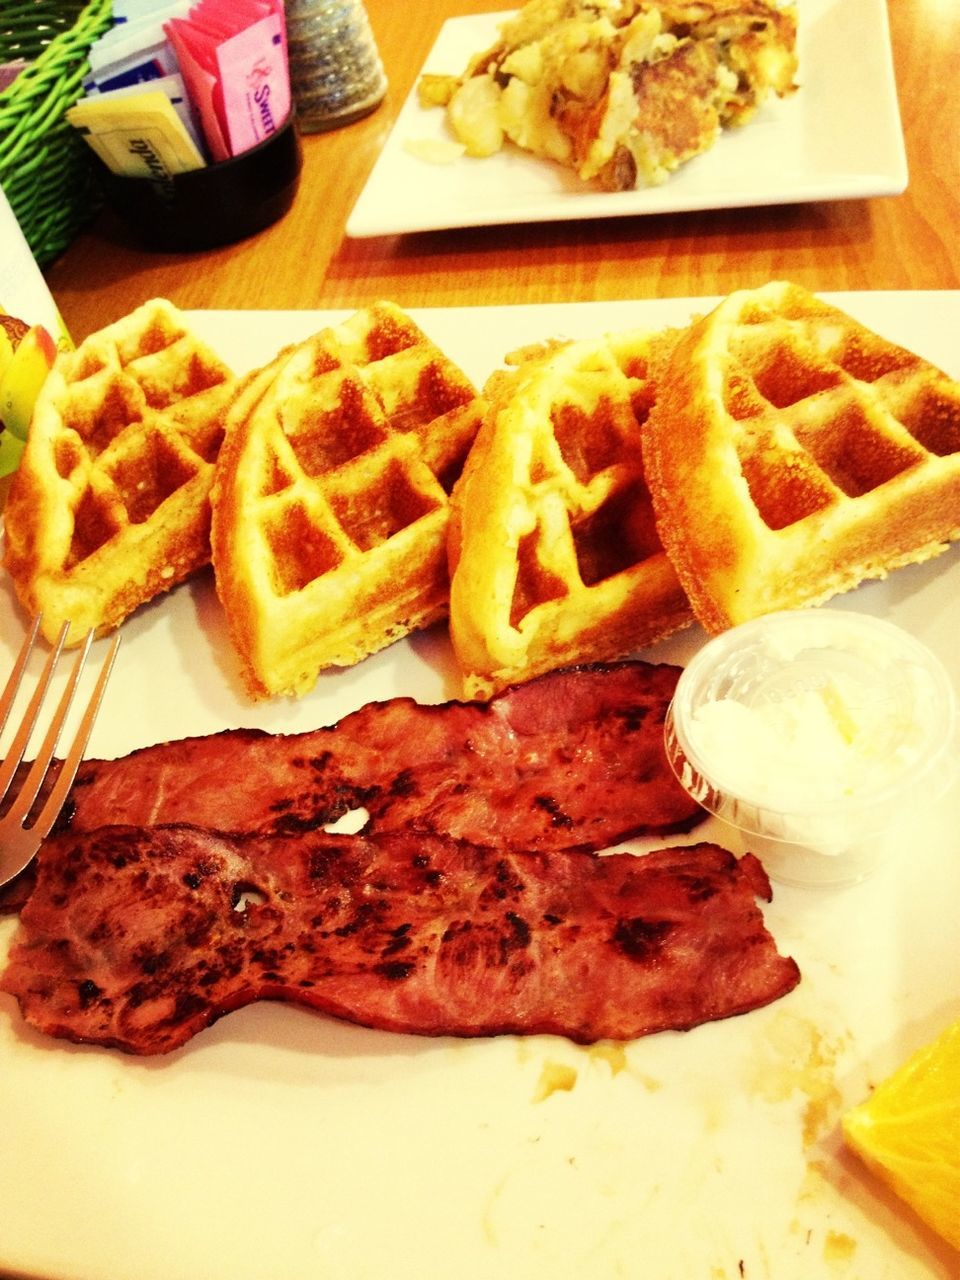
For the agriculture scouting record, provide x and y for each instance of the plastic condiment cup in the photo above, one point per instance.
(820, 734)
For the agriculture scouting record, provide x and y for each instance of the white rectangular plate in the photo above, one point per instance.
(280, 1144)
(838, 137)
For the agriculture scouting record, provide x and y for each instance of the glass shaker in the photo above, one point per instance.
(335, 70)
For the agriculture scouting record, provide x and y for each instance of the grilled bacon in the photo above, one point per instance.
(574, 760)
(137, 938)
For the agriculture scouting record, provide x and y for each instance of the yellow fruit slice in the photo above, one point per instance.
(6, 348)
(908, 1133)
(23, 376)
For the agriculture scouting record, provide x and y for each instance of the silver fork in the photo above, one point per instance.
(19, 842)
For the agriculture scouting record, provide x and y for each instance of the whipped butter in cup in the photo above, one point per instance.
(820, 734)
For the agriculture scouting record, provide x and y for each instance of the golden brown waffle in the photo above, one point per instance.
(110, 504)
(331, 502)
(793, 453)
(553, 547)
(622, 91)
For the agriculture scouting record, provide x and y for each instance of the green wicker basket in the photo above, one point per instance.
(46, 169)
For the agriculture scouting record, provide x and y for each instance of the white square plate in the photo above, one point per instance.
(838, 137)
(280, 1144)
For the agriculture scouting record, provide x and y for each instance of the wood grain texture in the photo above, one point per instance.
(900, 242)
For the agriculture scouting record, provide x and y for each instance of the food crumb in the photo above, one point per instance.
(555, 1077)
(434, 150)
(610, 1052)
(838, 1247)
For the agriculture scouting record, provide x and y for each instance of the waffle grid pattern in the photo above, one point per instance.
(110, 501)
(837, 419)
(581, 575)
(332, 500)
(795, 453)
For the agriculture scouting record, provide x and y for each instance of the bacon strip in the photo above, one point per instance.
(574, 760)
(138, 938)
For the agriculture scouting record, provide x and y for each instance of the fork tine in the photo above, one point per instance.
(38, 770)
(68, 771)
(19, 744)
(16, 675)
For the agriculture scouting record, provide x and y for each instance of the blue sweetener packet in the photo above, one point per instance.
(132, 52)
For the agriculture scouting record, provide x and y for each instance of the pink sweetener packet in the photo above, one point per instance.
(196, 54)
(224, 18)
(233, 57)
(255, 81)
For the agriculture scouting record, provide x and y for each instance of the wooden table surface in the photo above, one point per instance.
(908, 241)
